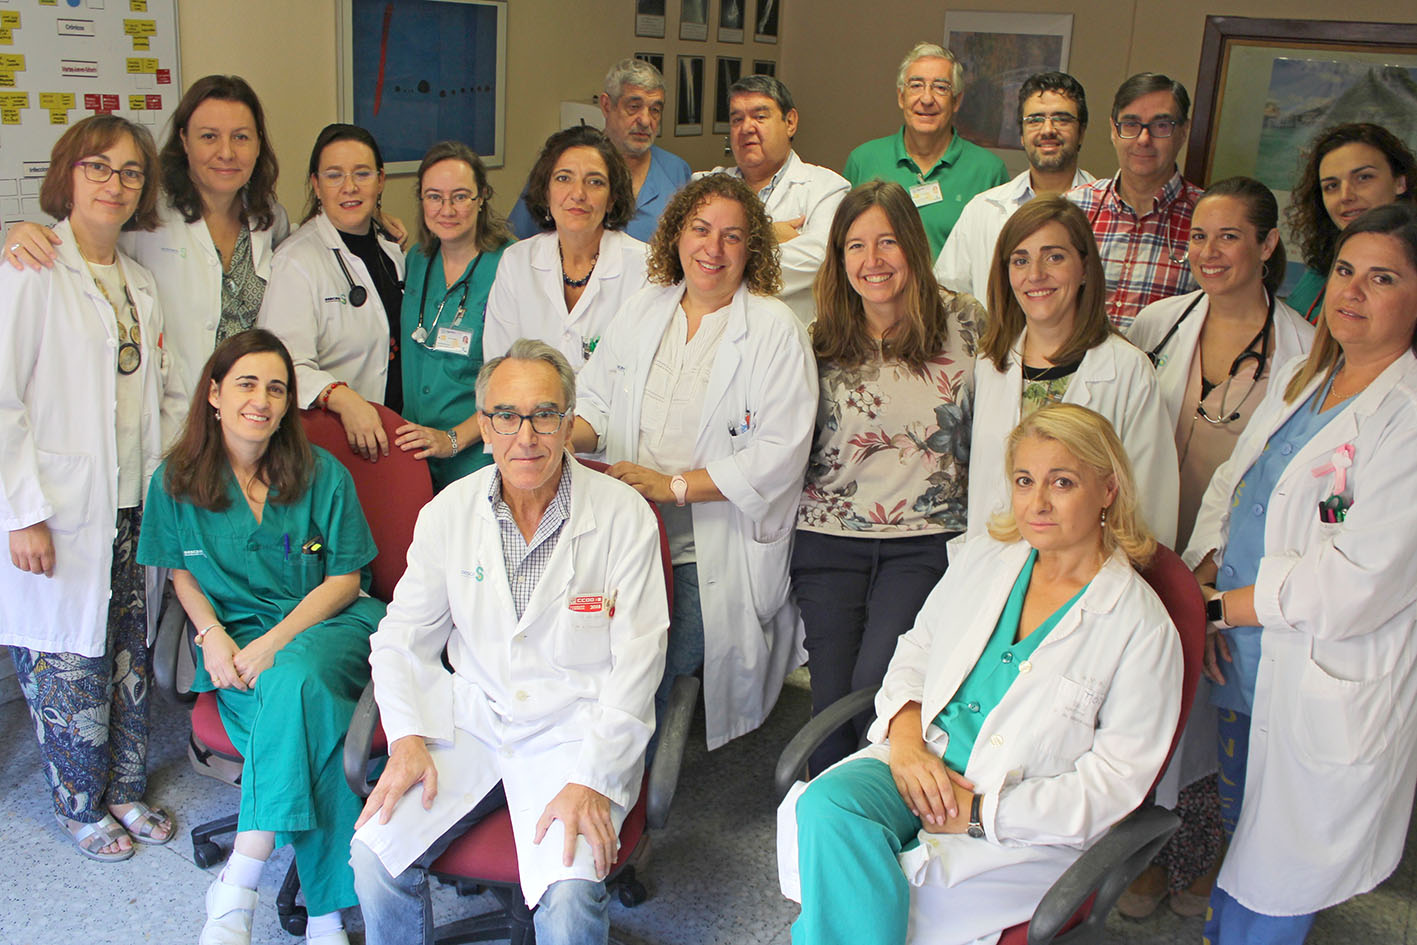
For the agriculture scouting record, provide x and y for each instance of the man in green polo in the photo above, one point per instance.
(940, 169)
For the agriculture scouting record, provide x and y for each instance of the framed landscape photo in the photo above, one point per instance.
(999, 51)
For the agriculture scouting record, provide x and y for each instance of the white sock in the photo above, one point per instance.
(242, 870)
(318, 925)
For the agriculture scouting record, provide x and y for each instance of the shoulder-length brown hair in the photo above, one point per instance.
(1398, 220)
(258, 197)
(492, 230)
(198, 467)
(1006, 318)
(94, 135)
(1307, 216)
(621, 208)
(839, 333)
(763, 273)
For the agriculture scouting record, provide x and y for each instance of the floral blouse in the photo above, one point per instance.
(891, 454)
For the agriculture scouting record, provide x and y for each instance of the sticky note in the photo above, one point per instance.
(7, 36)
(7, 79)
(137, 103)
(15, 62)
(138, 6)
(141, 42)
(10, 18)
(9, 116)
(58, 116)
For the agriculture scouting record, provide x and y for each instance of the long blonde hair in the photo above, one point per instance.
(1090, 438)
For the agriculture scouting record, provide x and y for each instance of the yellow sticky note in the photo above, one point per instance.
(14, 62)
(137, 103)
(138, 6)
(141, 42)
(9, 116)
(14, 100)
(49, 3)
(140, 66)
(10, 18)
(7, 80)
(56, 100)
(139, 27)
(58, 116)
(7, 36)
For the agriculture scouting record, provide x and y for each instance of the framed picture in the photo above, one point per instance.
(416, 72)
(730, 21)
(1267, 88)
(655, 59)
(729, 71)
(649, 18)
(999, 51)
(764, 67)
(689, 99)
(693, 19)
(765, 21)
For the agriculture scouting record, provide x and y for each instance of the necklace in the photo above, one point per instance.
(130, 355)
(575, 283)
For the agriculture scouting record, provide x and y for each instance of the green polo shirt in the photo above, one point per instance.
(964, 170)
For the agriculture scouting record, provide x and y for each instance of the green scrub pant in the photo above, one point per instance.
(290, 729)
(851, 826)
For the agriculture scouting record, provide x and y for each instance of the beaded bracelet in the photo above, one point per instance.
(324, 402)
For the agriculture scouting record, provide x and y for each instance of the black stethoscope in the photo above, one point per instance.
(1260, 357)
(357, 293)
(419, 334)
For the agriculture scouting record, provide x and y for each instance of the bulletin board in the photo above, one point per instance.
(62, 60)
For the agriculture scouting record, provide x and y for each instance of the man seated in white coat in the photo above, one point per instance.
(1052, 118)
(800, 198)
(542, 581)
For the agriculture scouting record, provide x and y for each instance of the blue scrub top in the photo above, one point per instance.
(667, 173)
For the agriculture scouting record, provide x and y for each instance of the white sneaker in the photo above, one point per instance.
(230, 911)
(337, 937)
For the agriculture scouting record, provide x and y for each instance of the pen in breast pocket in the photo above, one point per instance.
(736, 429)
(285, 540)
(610, 603)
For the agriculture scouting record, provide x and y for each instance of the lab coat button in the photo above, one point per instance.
(996, 740)
(1025, 667)
(522, 695)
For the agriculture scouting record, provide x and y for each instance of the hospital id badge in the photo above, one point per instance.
(454, 340)
(922, 195)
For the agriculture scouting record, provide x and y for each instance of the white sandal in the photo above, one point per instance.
(230, 912)
(143, 822)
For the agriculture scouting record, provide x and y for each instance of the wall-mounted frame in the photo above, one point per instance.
(765, 67)
(999, 52)
(693, 19)
(415, 72)
(731, 14)
(1267, 87)
(728, 71)
(765, 21)
(655, 59)
(689, 97)
(649, 18)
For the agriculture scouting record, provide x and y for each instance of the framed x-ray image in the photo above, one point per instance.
(649, 18)
(730, 21)
(693, 19)
(689, 101)
(764, 67)
(729, 71)
(765, 22)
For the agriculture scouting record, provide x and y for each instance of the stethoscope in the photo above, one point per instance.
(1177, 256)
(1260, 357)
(419, 334)
(357, 294)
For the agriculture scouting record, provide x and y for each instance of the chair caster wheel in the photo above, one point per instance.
(206, 854)
(294, 923)
(632, 893)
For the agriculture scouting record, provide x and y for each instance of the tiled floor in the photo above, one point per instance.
(712, 874)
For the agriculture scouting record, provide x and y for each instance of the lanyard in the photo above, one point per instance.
(419, 334)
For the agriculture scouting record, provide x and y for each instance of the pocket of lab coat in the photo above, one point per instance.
(583, 640)
(67, 481)
(1342, 721)
(767, 573)
(1074, 723)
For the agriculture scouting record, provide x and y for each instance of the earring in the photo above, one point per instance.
(1104, 515)
(1264, 270)
(217, 411)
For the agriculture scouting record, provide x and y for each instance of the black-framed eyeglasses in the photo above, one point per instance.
(1158, 127)
(1059, 120)
(509, 422)
(99, 173)
(460, 199)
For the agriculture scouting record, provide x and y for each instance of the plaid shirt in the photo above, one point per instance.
(1144, 256)
(526, 560)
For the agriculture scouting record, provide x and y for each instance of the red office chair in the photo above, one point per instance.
(1074, 911)
(391, 491)
(486, 858)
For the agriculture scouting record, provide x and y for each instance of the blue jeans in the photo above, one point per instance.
(398, 910)
(685, 654)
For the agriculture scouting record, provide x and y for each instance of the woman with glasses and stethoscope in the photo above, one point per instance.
(1214, 352)
(336, 289)
(460, 243)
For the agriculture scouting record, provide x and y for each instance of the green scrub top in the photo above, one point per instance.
(1306, 292)
(995, 671)
(438, 385)
(254, 575)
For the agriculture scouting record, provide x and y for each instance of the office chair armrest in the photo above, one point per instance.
(172, 630)
(673, 736)
(1107, 869)
(793, 760)
(358, 742)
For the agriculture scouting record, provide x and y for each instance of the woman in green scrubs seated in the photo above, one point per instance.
(450, 272)
(268, 549)
(1028, 710)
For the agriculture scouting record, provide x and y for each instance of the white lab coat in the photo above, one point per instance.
(1292, 336)
(1116, 380)
(763, 370)
(560, 696)
(802, 190)
(187, 269)
(58, 442)
(1331, 770)
(528, 299)
(1071, 749)
(965, 260)
(307, 306)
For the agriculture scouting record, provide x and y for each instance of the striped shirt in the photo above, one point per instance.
(526, 560)
(1143, 256)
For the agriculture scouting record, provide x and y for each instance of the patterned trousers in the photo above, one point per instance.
(90, 712)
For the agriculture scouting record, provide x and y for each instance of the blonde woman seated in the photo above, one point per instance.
(1028, 710)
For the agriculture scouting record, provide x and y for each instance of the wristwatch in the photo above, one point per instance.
(680, 487)
(976, 824)
(453, 439)
(1215, 611)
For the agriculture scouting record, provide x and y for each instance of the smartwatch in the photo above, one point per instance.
(1215, 612)
(680, 487)
(976, 823)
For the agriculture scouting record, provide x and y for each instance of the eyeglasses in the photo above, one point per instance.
(1158, 127)
(336, 178)
(1060, 120)
(509, 422)
(460, 199)
(938, 86)
(99, 173)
